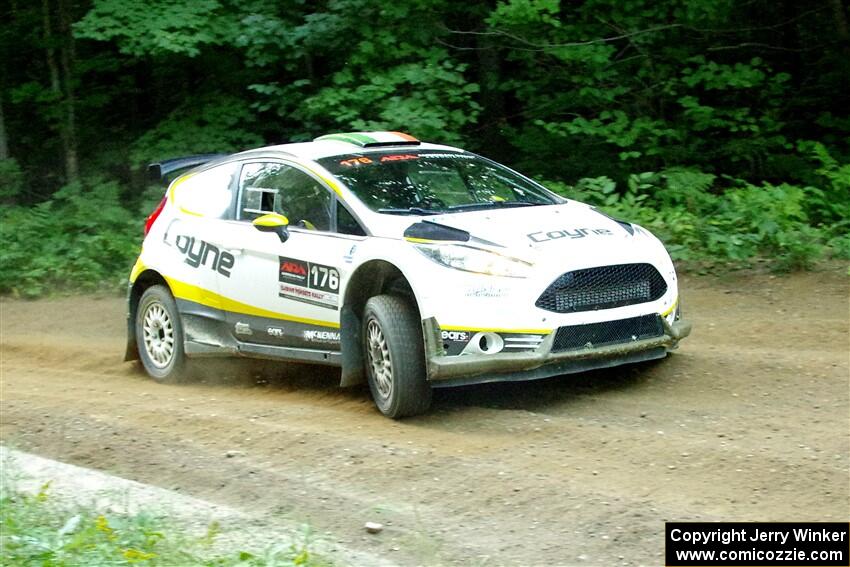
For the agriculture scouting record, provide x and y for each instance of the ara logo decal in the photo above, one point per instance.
(567, 233)
(292, 270)
(398, 157)
(199, 252)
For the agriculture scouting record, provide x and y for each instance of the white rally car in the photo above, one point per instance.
(409, 265)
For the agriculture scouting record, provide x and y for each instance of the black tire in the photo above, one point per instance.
(161, 364)
(409, 392)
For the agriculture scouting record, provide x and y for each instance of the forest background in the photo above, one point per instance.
(723, 126)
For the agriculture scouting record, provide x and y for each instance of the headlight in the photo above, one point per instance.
(475, 260)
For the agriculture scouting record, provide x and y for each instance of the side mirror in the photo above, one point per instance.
(273, 222)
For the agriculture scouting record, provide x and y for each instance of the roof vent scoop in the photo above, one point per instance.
(372, 139)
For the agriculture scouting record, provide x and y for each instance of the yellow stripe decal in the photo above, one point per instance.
(200, 295)
(429, 241)
(490, 330)
(177, 182)
(188, 212)
(671, 308)
(331, 183)
(138, 268)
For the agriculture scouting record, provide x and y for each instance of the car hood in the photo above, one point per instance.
(532, 225)
(572, 230)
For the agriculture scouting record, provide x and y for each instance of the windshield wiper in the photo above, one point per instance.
(409, 211)
(494, 204)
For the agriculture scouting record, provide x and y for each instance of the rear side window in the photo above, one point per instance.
(280, 188)
(208, 193)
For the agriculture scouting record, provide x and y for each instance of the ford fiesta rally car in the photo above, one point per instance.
(409, 265)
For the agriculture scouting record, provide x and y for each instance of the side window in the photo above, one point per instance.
(346, 223)
(283, 189)
(208, 193)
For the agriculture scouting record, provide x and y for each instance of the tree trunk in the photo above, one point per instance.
(492, 98)
(68, 58)
(842, 30)
(67, 126)
(4, 143)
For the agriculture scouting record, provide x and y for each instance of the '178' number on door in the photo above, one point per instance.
(324, 278)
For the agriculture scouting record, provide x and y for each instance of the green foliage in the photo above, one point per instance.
(222, 125)
(733, 105)
(734, 225)
(154, 27)
(40, 529)
(385, 72)
(11, 180)
(81, 239)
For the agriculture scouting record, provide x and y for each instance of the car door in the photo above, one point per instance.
(195, 261)
(287, 293)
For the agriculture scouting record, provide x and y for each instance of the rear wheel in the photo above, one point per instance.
(159, 335)
(395, 356)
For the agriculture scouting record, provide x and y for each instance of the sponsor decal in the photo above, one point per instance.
(455, 341)
(292, 270)
(200, 253)
(243, 329)
(321, 336)
(485, 291)
(568, 233)
(306, 295)
(308, 282)
(350, 255)
(455, 336)
(275, 332)
(398, 157)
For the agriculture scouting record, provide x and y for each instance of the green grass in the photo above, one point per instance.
(46, 531)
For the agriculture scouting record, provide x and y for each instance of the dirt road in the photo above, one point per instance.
(749, 420)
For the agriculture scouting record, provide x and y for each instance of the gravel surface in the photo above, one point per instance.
(749, 420)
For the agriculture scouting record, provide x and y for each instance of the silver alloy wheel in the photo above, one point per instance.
(379, 358)
(158, 335)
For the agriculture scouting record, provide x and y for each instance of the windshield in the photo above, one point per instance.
(433, 182)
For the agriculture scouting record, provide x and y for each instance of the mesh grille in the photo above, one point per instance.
(603, 288)
(608, 333)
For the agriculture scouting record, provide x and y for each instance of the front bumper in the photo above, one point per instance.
(542, 363)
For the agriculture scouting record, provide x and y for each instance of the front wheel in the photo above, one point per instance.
(159, 335)
(395, 356)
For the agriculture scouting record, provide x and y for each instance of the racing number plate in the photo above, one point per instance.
(307, 282)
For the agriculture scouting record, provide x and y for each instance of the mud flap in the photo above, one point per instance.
(131, 352)
(350, 346)
(433, 344)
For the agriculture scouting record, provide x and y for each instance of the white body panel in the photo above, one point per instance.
(290, 294)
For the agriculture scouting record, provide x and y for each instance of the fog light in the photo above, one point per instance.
(485, 343)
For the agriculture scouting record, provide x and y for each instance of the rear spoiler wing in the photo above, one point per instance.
(160, 171)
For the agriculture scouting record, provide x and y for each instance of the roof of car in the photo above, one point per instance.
(350, 142)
